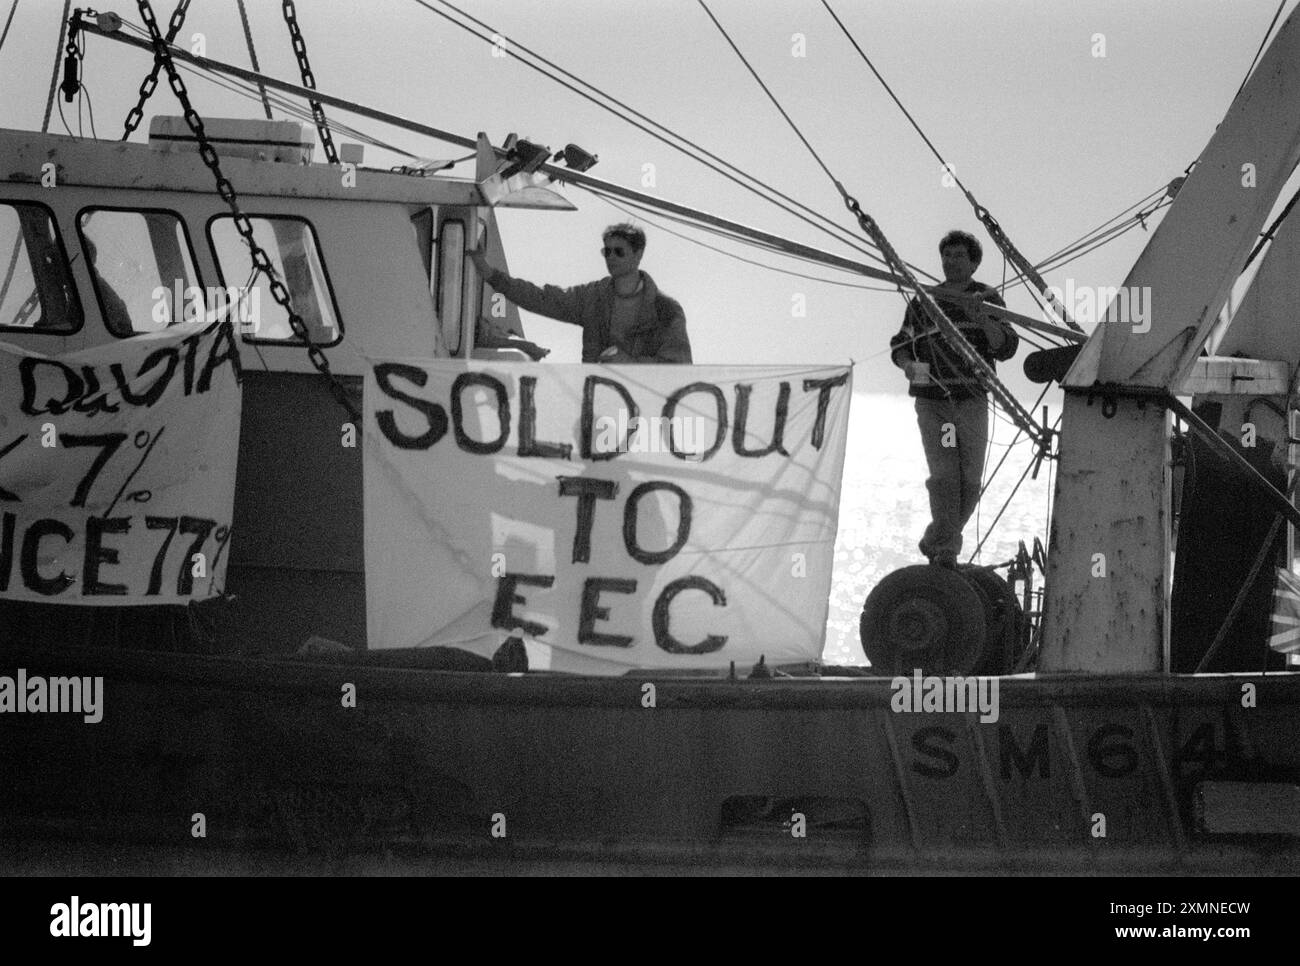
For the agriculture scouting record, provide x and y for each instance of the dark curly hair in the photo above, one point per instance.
(972, 244)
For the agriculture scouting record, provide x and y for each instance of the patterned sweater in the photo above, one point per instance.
(919, 340)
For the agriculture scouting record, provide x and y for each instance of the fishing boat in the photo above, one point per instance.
(241, 672)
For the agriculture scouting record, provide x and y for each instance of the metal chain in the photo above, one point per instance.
(982, 370)
(151, 82)
(309, 81)
(226, 190)
(1013, 255)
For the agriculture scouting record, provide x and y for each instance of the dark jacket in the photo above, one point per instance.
(919, 340)
(659, 334)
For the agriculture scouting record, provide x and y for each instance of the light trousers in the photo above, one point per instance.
(955, 434)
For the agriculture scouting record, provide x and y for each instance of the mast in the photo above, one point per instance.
(1107, 602)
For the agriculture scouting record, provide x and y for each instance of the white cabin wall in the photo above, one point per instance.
(377, 275)
(368, 249)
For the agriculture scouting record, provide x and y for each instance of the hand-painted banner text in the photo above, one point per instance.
(117, 468)
(625, 516)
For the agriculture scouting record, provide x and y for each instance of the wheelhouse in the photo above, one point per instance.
(103, 243)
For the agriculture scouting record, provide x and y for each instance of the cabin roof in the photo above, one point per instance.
(88, 162)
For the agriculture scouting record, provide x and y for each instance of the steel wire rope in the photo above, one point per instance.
(839, 233)
(641, 212)
(1086, 244)
(984, 373)
(253, 91)
(716, 230)
(1255, 60)
(246, 89)
(991, 225)
(1267, 236)
(54, 77)
(249, 90)
(1010, 446)
(739, 258)
(1007, 503)
(5, 34)
(1091, 244)
(1146, 199)
(83, 90)
(252, 56)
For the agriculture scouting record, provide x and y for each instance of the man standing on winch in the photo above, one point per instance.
(951, 407)
(624, 318)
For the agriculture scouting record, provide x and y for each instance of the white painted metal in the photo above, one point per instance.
(1112, 494)
(1267, 322)
(1246, 377)
(1196, 253)
(1108, 560)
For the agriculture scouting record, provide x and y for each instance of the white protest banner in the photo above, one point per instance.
(117, 468)
(623, 516)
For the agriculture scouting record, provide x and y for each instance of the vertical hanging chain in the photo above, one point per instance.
(151, 82)
(226, 190)
(309, 81)
(982, 370)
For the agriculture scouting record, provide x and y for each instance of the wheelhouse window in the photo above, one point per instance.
(290, 244)
(142, 266)
(36, 289)
(422, 225)
(451, 282)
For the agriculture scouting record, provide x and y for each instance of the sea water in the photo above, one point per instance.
(884, 509)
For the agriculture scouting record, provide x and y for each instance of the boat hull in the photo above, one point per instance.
(199, 755)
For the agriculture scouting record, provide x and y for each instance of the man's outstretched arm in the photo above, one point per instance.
(552, 301)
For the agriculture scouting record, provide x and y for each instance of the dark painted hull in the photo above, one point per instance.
(578, 771)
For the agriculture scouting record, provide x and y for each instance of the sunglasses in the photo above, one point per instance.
(619, 251)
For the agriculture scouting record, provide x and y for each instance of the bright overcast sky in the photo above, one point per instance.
(1051, 133)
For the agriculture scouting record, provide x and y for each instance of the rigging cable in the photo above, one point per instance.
(740, 258)
(1265, 238)
(1277, 13)
(644, 209)
(1010, 446)
(7, 23)
(1007, 503)
(986, 218)
(54, 78)
(839, 233)
(252, 56)
(770, 96)
(249, 90)
(982, 371)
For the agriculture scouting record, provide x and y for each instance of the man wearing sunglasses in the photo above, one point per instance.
(624, 318)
